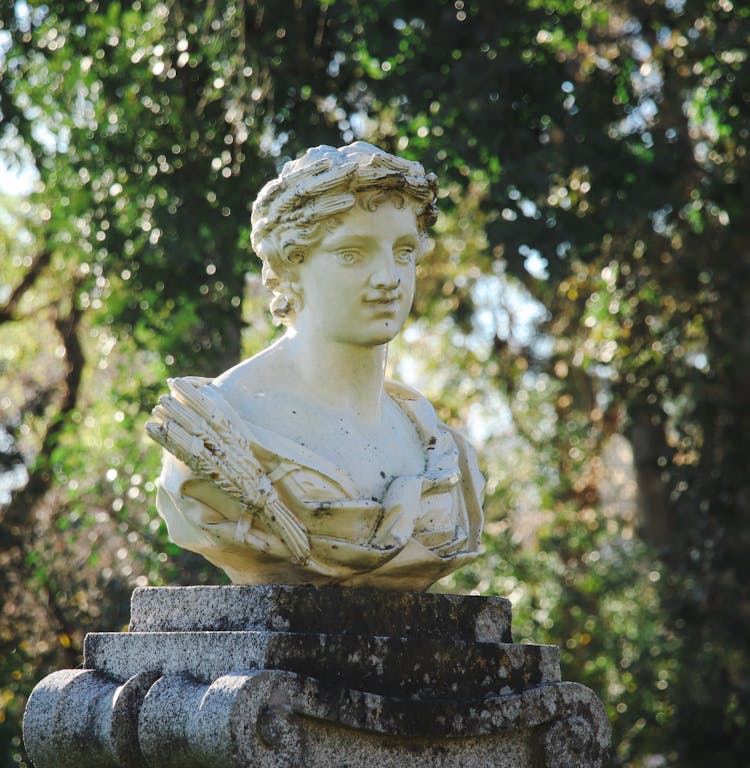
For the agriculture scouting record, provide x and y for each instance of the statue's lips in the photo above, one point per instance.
(383, 299)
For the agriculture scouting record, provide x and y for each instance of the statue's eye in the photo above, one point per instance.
(348, 256)
(404, 254)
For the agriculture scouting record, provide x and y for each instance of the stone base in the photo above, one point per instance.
(279, 677)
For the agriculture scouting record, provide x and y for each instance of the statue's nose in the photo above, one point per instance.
(385, 276)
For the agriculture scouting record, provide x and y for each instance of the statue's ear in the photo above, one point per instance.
(288, 298)
(295, 255)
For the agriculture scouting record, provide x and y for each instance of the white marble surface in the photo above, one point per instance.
(303, 464)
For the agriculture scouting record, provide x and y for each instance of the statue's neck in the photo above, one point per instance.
(342, 376)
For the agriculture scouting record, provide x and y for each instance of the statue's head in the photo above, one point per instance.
(293, 212)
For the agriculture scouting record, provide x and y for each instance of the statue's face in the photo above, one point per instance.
(357, 284)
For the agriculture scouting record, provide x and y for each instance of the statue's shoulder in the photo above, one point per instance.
(261, 392)
(401, 391)
(260, 377)
(415, 404)
(423, 412)
(257, 373)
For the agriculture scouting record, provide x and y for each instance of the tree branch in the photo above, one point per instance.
(18, 514)
(9, 309)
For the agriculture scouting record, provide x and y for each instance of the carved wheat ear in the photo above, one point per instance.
(196, 425)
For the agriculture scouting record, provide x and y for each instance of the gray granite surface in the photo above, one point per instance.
(403, 666)
(327, 610)
(300, 677)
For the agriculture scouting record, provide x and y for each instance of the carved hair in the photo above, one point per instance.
(292, 212)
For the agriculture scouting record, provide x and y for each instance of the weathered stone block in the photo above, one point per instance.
(306, 677)
(323, 610)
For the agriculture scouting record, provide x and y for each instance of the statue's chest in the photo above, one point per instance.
(369, 455)
(370, 459)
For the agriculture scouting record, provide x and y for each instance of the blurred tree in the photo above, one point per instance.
(151, 127)
(611, 141)
(588, 284)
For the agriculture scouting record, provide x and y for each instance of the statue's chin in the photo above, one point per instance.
(375, 335)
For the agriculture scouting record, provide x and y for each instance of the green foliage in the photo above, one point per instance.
(584, 309)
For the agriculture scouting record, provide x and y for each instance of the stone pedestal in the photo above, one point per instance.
(303, 677)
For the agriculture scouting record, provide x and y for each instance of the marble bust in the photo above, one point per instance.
(304, 464)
